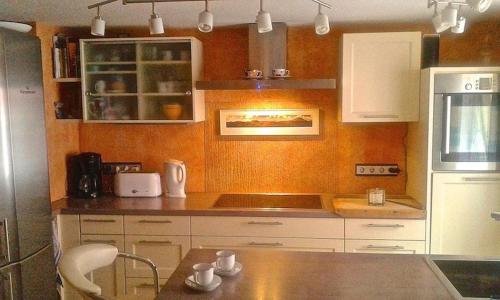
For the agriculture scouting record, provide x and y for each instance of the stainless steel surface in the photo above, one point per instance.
(466, 83)
(267, 51)
(151, 265)
(468, 277)
(267, 84)
(276, 244)
(390, 248)
(89, 241)
(155, 242)
(264, 223)
(98, 221)
(386, 225)
(155, 222)
(379, 116)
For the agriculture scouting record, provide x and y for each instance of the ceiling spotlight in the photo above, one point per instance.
(480, 5)
(321, 23)
(205, 20)
(460, 27)
(437, 21)
(449, 15)
(98, 24)
(155, 22)
(264, 23)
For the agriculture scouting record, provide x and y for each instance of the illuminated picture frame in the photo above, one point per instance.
(269, 122)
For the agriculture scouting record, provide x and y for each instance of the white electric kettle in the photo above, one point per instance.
(175, 173)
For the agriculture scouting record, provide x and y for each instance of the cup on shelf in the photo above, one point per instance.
(225, 260)
(172, 111)
(185, 55)
(166, 86)
(167, 55)
(115, 55)
(253, 73)
(203, 274)
(99, 57)
(281, 73)
(100, 86)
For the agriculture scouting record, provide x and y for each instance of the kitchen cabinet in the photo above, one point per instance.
(385, 246)
(380, 77)
(143, 288)
(101, 224)
(142, 80)
(462, 215)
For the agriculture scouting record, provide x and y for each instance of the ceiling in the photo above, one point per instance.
(226, 12)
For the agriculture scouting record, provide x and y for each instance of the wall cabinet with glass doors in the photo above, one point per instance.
(142, 80)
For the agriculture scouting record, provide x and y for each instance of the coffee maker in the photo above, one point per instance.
(84, 175)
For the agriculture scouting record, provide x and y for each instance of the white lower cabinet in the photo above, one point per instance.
(265, 243)
(385, 246)
(165, 251)
(143, 288)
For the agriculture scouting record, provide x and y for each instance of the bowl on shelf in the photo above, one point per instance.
(172, 111)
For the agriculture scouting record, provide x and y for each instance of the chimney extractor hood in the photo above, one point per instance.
(267, 51)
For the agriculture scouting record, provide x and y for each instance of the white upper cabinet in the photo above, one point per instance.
(380, 77)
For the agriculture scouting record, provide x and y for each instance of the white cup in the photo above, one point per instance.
(281, 72)
(203, 273)
(167, 55)
(225, 260)
(100, 86)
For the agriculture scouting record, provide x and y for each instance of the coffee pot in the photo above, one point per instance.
(175, 173)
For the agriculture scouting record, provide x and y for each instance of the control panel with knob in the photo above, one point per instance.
(377, 170)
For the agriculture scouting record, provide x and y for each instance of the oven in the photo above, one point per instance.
(466, 134)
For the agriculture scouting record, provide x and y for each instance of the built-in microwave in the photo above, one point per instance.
(466, 122)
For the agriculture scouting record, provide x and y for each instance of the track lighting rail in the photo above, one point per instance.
(125, 2)
(430, 3)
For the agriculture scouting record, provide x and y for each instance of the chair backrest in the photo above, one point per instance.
(81, 260)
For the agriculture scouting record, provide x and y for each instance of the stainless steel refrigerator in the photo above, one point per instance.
(27, 269)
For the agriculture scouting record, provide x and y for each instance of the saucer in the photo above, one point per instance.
(253, 78)
(236, 269)
(280, 77)
(204, 288)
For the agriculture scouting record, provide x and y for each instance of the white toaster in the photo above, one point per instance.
(137, 185)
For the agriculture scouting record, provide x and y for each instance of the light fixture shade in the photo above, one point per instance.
(205, 21)
(480, 5)
(264, 23)
(450, 15)
(438, 23)
(156, 25)
(460, 27)
(321, 24)
(98, 26)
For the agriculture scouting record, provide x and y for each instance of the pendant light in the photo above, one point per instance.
(460, 27)
(449, 15)
(264, 23)
(155, 22)
(205, 20)
(480, 5)
(321, 22)
(98, 26)
(437, 21)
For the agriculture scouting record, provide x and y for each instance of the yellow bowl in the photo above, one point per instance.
(172, 111)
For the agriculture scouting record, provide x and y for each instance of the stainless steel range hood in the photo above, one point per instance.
(267, 51)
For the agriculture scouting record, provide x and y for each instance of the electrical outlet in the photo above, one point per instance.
(377, 170)
(111, 168)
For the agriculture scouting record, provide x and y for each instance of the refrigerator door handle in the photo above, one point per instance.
(4, 242)
(496, 215)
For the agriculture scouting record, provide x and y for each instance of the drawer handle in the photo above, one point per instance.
(393, 248)
(155, 222)
(380, 116)
(145, 285)
(385, 225)
(99, 221)
(155, 242)
(100, 241)
(264, 223)
(480, 179)
(265, 244)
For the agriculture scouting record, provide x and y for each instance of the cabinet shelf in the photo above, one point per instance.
(110, 72)
(164, 94)
(165, 62)
(113, 94)
(111, 63)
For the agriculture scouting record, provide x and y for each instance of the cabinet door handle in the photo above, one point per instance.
(145, 285)
(385, 225)
(496, 215)
(98, 221)
(481, 179)
(100, 241)
(264, 223)
(379, 116)
(390, 248)
(448, 126)
(155, 242)
(155, 222)
(265, 244)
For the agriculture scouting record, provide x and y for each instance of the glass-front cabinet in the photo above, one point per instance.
(142, 80)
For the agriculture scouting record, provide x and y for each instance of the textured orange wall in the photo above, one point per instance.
(273, 164)
(62, 136)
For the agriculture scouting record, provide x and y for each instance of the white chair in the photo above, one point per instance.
(81, 260)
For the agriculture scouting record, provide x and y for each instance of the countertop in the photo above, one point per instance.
(313, 275)
(200, 204)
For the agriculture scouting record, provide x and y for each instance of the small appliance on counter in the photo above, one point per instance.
(84, 175)
(175, 173)
(137, 184)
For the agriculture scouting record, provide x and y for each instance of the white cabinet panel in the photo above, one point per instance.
(157, 225)
(101, 224)
(165, 251)
(388, 229)
(385, 246)
(268, 227)
(461, 216)
(380, 76)
(283, 244)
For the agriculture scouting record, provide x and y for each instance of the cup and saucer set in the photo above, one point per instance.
(206, 277)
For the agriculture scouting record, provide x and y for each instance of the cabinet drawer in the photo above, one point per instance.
(157, 225)
(266, 243)
(385, 246)
(142, 287)
(387, 229)
(166, 252)
(101, 224)
(116, 240)
(268, 227)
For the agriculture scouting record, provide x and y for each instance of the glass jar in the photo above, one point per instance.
(376, 196)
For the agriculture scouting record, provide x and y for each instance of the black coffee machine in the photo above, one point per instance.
(84, 175)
